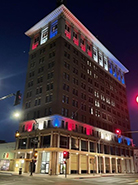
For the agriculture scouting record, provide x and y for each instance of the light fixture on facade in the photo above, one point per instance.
(87, 154)
(19, 152)
(22, 161)
(30, 152)
(76, 153)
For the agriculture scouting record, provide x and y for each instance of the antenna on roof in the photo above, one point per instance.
(60, 2)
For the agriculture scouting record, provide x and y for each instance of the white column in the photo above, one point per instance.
(132, 165)
(38, 163)
(104, 167)
(69, 164)
(51, 140)
(58, 144)
(116, 167)
(88, 164)
(79, 144)
(57, 166)
(70, 142)
(110, 164)
(96, 158)
(88, 146)
(79, 164)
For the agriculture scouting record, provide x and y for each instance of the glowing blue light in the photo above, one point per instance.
(128, 142)
(53, 29)
(56, 122)
(120, 140)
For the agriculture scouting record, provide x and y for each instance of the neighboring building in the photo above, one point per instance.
(7, 156)
(136, 159)
(75, 89)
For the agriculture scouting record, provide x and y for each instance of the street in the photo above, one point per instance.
(8, 179)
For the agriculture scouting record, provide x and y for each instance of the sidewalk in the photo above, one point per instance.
(72, 176)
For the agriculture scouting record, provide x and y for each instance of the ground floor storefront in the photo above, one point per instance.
(52, 162)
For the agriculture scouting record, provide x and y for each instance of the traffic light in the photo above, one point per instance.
(137, 98)
(17, 98)
(66, 155)
(35, 154)
(118, 132)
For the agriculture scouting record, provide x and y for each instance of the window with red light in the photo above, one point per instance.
(75, 38)
(35, 42)
(89, 49)
(67, 31)
(82, 44)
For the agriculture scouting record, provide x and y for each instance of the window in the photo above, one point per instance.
(67, 31)
(66, 87)
(84, 145)
(35, 42)
(75, 38)
(44, 35)
(54, 29)
(64, 142)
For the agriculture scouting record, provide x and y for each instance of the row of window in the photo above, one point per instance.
(75, 145)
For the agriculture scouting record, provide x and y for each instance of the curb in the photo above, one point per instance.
(6, 173)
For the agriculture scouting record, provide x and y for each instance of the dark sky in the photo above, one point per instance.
(113, 22)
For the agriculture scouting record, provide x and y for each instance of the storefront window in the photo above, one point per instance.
(45, 162)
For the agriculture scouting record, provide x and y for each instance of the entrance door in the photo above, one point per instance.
(62, 168)
(47, 168)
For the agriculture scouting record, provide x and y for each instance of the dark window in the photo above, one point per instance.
(64, 142)
(84, 146)
(45, 141)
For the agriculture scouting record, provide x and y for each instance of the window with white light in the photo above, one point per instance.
(105, 63)
(100, 59)
(95, 56)
(44, 35)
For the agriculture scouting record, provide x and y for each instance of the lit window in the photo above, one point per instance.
(44, 35)
(35, 42)
(54, 29)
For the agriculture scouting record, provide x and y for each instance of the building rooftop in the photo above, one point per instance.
(62, 9)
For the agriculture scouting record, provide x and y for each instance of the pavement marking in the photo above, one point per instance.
(133, 183)
(48, 180)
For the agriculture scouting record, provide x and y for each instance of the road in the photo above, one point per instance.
(49, 180)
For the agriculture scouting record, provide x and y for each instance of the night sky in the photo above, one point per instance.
(113, 22)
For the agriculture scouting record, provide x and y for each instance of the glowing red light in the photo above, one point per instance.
(137, 99)
(118, 131)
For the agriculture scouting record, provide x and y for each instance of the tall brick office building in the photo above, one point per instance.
(75, 90)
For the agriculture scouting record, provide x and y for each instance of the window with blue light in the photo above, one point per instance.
(128, 142)
(110, 68)
(54, 29)
(122, 78)
(119, 75)
(114, 71)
